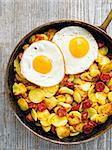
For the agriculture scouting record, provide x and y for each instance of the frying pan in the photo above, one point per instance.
(98, 33)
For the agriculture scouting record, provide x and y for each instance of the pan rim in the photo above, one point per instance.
(7, 90)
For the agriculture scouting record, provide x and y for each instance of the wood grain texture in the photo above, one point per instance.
(18, 17)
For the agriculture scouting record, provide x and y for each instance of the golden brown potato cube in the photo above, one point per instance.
(86, 86)
(77, 96)
(50, 102)
(74, 117)
(101, 118)
(79, 127)
(43, 115)
(101, 97)
(46, 129)
(26, 46)
(103, 51)
(50, 91)
(58, 121)
(86, 76)
(102, 60)
(66, 106)
(62, 132)
(105, 109)
(34, 114)
(65, 90)
(68, 99)
(110, 96)
(17, 67)
(23, 104)
(107, 67)
(36, 95)
(19, 88)
(60, 98)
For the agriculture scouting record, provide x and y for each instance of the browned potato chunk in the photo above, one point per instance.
(50, 91)
(107, 67)
(105, 109)
(36, 95)
(19, 88)
(50, 102)
(22, 104)
(62, 132)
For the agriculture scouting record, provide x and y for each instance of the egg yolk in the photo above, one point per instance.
(42, 64)
(79, 47)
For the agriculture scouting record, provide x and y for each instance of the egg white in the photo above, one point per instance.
(50, 50)
(73, 64)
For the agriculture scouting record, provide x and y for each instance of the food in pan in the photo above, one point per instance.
(69, 102)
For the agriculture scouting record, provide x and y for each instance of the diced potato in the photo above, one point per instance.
(74, 117)
(95, 106)
(31, 87)
(50, 91)
(65, 90)
(79, 127)
(43, 115)
(93, 67)
(102, 60)
(69, 99)
(85, 86)
(36, 95)
(106, 89)
(50, 118)
(107, 67)
(103, 51)
(19, 88)
(71, 78)
(45, 123)
(34, 114)
(26, 46)
(105, 109)
(46, 129)
(91, 90)
(62, 132)
(92, 97)
(109, 83)
(78, 81)
(101, 97)
(51, 102)
(101, 118)
(94, 70)
(56, 109)
(17, 67)
(93, 118)
(86, 76)
(59, 121)
(110, 96)
(66, 106)
(23, 104)
(74, 134)
(91, 111)
(60, 98)
(77, 96)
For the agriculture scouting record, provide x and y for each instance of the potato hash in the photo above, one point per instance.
(77, 104)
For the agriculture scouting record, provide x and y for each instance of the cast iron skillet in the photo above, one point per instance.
(98, 33)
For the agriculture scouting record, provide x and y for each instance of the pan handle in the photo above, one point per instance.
(106, 22)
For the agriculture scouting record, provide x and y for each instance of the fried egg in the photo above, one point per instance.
(78, 47)
(43, 64)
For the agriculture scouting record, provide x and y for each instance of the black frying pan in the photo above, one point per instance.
(98, 33)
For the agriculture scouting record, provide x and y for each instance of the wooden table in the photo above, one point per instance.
(18, 17)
